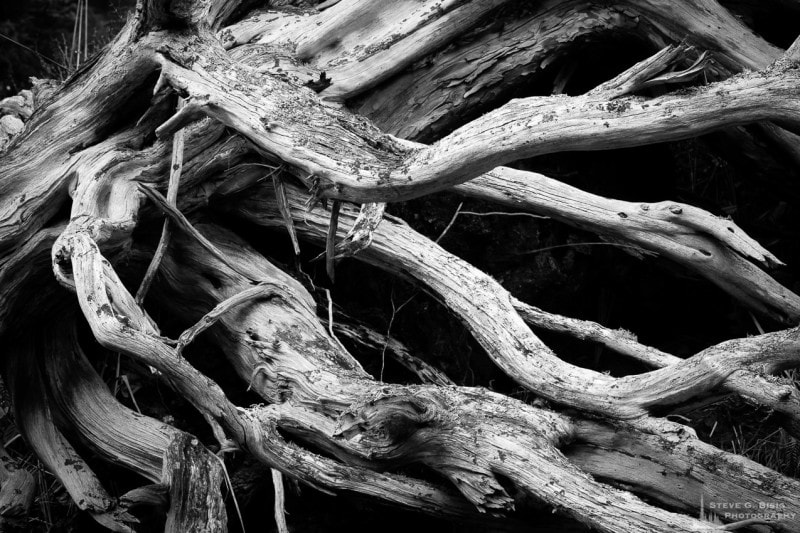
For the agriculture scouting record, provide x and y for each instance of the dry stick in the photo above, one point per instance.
(219, 434)
(330, 320)
(283, 207)
(395, 310)
(733, 526)
(172, 198)
(280, 499)
(71, 53)
(459, 212)
(39, 55)
(369, 338)
(330, 312)
(80, 34)
(117, 374)
(85, 30)
(330, 243)
(503, 214)
(184, 224)
(265, 288)
(230, 488)
(576, 244)
(450, 224)
(651, 71)
(127, 383)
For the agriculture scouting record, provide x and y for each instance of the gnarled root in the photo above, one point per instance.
(320, 395)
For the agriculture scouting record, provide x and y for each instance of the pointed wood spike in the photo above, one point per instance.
(331, 241)
(283, 207)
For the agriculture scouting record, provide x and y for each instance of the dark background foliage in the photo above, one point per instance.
(45, 28)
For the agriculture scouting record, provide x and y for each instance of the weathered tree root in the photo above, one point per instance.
(663, 467)
(155, 450)
(280, 349)
(714, 247)
(679, 239)
(119, 324)
(678, 470)
(424, 101)
(81, 146)
(488, 312)
(36, 424)
(368, 171)
(313, 227)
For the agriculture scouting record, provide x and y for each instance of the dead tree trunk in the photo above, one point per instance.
(308, 120)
